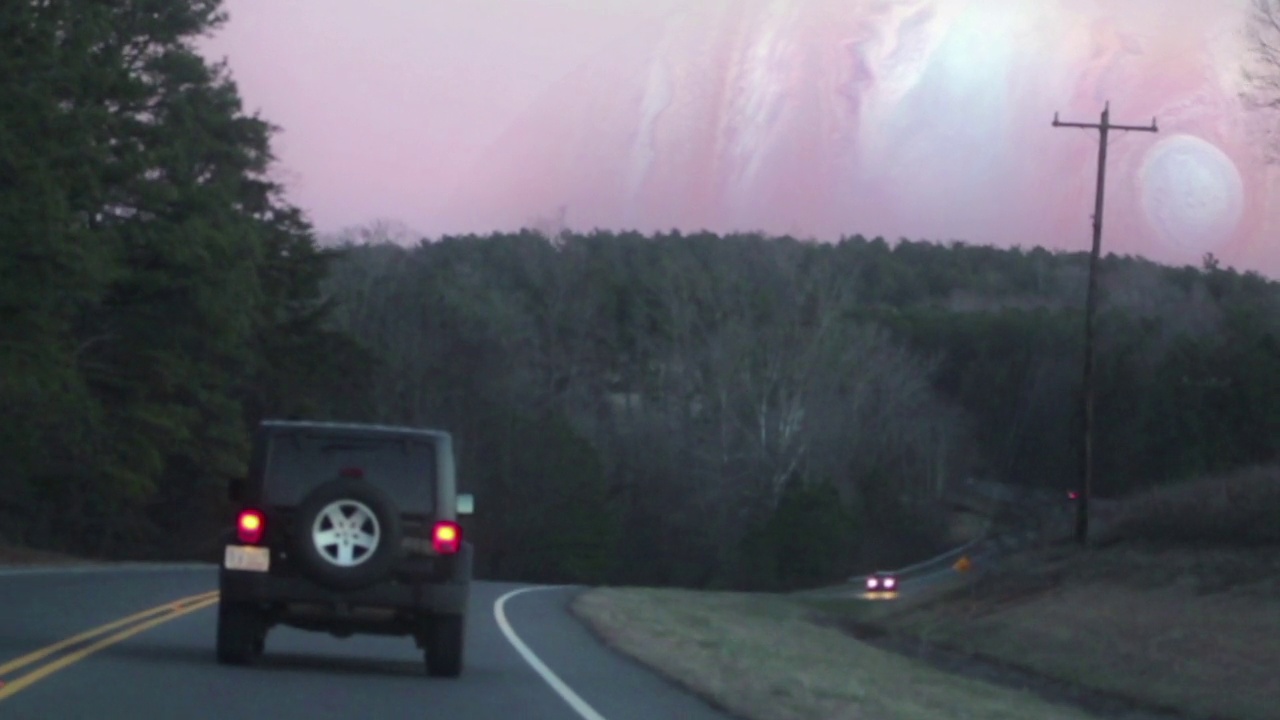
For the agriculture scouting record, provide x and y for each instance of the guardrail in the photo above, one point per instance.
(920, 569)
(933, 564)
(981, 551)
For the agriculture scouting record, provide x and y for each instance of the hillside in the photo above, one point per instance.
(1174, 615)
(733, 402)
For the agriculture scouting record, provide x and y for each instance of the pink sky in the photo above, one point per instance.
(920, 118)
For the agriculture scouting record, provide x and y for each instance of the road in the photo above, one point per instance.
(549, 666)
(926, 580)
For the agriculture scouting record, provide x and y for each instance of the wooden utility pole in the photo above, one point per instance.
(1090, 309)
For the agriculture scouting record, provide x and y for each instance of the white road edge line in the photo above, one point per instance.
(585, 711)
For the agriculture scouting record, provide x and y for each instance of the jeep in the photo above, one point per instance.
(344, 529)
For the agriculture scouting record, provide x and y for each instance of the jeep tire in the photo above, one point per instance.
(241, 632)
(347, 493)
(445, 641)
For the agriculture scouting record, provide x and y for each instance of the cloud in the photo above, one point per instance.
(918, 118)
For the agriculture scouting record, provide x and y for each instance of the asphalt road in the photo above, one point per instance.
(548, 666)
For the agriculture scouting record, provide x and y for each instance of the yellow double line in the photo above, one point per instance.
(132, 625)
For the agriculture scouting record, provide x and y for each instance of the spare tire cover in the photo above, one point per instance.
(347, 534)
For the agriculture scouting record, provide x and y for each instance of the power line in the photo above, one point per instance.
(1091, 302)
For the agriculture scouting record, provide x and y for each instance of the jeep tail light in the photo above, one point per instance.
(446, 537)
(250, 527)
(352, 472)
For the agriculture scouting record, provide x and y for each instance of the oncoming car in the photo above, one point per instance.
(882, 581)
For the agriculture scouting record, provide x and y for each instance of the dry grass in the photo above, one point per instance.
(760, 657)
(1195, 630)
(1240, 508)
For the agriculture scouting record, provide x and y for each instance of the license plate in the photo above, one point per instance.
(247, 557)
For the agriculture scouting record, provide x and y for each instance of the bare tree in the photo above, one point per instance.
(378, 232)
(1262, 68)
(775, 383)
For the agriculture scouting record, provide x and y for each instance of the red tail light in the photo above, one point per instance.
(250, 527)
(446, 537)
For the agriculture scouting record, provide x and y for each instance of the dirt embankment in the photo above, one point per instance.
(1124, 631)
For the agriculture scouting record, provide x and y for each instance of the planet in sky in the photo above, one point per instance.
(1192, 193)
(923, 119)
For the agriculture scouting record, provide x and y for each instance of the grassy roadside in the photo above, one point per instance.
(1194, 630)
(761, 657)
(1178, 608)
(1178, 615)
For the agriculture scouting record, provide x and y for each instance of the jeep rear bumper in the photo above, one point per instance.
(406, 592)
(448, 598)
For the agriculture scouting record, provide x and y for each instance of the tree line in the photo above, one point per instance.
(713, 411)
(750, 411)
(157, 294)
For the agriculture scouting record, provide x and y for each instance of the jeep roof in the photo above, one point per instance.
(352, 428)
(284, 479)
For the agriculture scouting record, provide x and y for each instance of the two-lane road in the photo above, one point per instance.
(527, 658)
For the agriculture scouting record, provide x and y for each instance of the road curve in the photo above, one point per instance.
(527, 658)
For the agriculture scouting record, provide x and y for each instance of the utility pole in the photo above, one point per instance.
(1090, 308)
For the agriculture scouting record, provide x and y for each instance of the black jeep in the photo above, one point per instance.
(347, 529)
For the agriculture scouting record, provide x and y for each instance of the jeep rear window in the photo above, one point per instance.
(405, 469)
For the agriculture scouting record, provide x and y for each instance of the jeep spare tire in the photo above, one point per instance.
(347, 534)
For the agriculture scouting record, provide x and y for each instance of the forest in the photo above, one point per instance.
(749, 411)
(676, 409)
